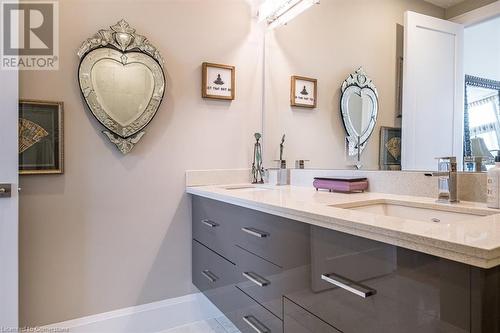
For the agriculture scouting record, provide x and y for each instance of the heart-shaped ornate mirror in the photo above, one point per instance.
(359, 109)
(122, 81)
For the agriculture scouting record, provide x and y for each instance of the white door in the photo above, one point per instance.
(8, 205)
(433, 89)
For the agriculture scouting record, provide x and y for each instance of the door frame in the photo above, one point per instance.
(478, 15)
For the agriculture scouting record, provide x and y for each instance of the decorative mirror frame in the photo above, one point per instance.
(480, 82)
(361, 80)
(121, 44)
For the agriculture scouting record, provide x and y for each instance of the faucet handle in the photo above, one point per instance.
(447, 163)
(451, 159)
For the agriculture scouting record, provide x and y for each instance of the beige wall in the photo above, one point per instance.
(114, 231)
(329, 42)
(465, 7)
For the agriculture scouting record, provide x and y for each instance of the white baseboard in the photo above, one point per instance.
(146, 318)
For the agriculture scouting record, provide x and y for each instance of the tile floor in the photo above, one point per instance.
(217, 325)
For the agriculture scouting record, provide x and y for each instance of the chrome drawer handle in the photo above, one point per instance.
(209, 223)
(210, 276)
(255, 232)
(349, 285)
(257, 279)
(256, 324)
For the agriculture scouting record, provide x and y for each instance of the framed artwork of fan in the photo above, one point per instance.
(40, 137)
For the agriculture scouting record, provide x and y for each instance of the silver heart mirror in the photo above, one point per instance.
(122, 81)
(359, 109)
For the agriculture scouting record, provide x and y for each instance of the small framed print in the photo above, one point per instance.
(218, 81)
(40, 137)
(303, 92)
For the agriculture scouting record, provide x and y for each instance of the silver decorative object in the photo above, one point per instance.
(122, 81)
(257, 168)
(359, 110)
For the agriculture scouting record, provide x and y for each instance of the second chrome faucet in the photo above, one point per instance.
(447, 181)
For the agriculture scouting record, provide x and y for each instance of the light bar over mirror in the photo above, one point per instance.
(279, 12)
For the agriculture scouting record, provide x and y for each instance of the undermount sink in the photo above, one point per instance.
(434, 213)
(245, 188)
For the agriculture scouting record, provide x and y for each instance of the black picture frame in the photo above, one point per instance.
(41, 137)
(387, 161)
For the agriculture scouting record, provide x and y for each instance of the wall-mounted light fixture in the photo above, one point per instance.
(279, 12)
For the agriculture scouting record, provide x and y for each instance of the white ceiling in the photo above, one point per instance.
(445, 3)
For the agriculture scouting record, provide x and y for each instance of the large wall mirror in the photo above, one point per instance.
(419, 112)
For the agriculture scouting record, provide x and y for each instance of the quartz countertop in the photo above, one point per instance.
(474, 241)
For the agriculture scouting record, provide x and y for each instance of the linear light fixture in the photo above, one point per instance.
(279, 12)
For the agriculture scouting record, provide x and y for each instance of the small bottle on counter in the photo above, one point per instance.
(493, 185)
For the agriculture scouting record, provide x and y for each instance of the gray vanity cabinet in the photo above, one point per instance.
(214, 276)
(244, 261)
(271, 274)
(266, 282)
(215, 224)
(250, 317)
(281, 241)
(364, 286)
(485, 300)
(298, 320)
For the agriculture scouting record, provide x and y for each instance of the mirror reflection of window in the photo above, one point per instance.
(483, 106)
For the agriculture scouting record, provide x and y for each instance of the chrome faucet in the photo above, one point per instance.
(447, 181)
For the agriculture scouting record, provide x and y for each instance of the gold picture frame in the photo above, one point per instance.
(305, 98)
(41, 137)
(218, 81)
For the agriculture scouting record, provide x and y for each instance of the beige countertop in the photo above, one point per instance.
(474, 241)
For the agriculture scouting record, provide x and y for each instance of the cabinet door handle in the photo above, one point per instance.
(256, 324)
(209, 275)
(255, 232)
(349, 285)
(209, 223)
(257, 279)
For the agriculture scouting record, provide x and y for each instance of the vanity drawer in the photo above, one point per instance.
(215, 224)
(279, 240)
(298, 320)
(369, 287)
(251, 317)
(354, 257)
(267, 283)
(211, 271)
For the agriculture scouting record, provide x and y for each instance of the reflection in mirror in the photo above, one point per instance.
(481, 122)
(359, 109)
(328, 42)
(124, 91)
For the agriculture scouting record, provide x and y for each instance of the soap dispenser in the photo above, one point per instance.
(493, 185)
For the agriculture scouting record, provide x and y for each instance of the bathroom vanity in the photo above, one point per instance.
(289, 259)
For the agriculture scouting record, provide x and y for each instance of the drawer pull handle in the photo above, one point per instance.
(256, 324)
(257, 279)
(255, 232)
(210, 276)
(349, 285)
(209, 223)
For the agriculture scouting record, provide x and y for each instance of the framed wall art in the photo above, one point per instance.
(390, 148)
(40, 137)
(218, 81)
(303, 92)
